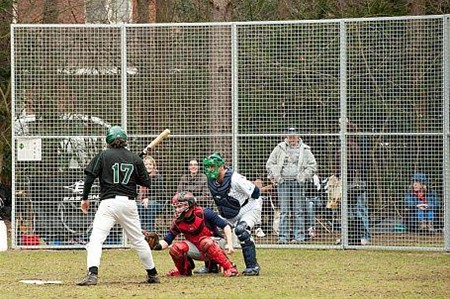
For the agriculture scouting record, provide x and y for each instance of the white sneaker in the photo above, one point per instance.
(260, 233)
(365, 242)
(312, 232)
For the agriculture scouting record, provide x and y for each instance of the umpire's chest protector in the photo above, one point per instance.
(228, 206)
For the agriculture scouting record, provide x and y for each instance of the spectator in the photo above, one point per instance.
(421, 203)
(196, 183)
(198, 225)
(151, 201)
(5, 202)
(357, 197)
(290, 165)
(312, 193)
(238, 201)
(267, 217)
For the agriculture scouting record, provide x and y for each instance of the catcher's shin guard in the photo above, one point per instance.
(249, 253)
(243, 233)
(182, 262)
(213, 252)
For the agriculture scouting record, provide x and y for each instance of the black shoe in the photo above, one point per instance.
(89, 280)
(205, 269)
(251, 271)
(153, 279)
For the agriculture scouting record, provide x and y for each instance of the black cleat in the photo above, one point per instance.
(89, 280)
(153, 279)
(251, 271)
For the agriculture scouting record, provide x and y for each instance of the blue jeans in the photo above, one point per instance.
(361, 210)
(148, 216)
(292, 200)
(311, 203)
(425, 215)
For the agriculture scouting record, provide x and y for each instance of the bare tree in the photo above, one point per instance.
(164, 11)
(143, 13)
(416, 7)
(96, 12)
(439, 6)
(50, 12)
(220, 74)
(284, 7)
(6, 17)
(417, 43)
(221, 10)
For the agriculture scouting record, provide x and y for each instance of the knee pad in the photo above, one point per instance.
(242, 232)
(213, 253)
(183, 263)
(179, 249)
(205, 244)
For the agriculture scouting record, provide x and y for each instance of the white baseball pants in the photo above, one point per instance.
(123, 211)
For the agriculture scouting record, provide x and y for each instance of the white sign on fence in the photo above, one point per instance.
(29, 149)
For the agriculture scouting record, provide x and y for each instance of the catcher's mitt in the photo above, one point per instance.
(152, 238)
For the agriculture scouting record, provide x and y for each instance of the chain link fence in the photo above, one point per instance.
(369, 96)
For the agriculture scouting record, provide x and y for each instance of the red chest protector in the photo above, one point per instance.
(195, 228)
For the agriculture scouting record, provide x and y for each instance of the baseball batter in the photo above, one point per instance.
(238, 200)
(119, 172)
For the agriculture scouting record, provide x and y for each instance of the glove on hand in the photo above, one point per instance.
(152, 239)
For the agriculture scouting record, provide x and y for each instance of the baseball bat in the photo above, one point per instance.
(156, 141)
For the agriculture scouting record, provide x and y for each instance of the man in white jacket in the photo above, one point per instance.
(290, 165)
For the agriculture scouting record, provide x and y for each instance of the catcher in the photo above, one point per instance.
(197, 225)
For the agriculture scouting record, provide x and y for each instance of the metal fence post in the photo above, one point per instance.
(446, 129)
(343, 131)
(234, 95)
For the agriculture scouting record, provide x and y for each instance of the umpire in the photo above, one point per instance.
(119, 172)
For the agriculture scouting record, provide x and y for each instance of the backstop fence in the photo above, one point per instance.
(369, 96)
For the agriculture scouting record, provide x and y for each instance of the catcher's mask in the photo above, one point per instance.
(212, 163)
(115, 132)
(183, 203)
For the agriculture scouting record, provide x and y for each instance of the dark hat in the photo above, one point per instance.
(420, 177)
(292, 131)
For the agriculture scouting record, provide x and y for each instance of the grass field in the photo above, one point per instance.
(286, 273)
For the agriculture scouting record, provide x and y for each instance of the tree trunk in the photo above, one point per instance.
(50, 12)
(416, 7)
(143, 11)
(416, 48)
(6, 18)
(220, 10)
(284, 9)
(220, 77)
(164, 11)
(96, 12)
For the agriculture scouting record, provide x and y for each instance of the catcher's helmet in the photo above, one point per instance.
(115, 132)
(183, 202)
(212, 163)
